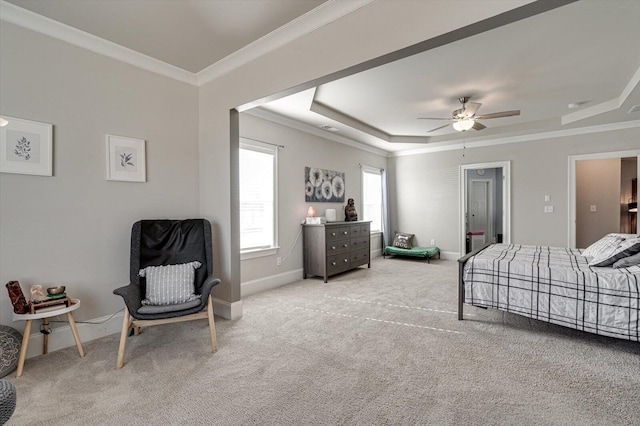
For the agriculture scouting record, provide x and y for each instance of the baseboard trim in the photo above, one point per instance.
(227, 310)
(449, 255)
(267, 283)
(61, 337)
(376, 253)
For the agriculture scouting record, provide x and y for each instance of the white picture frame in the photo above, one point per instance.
(126, 159)
(26, 147)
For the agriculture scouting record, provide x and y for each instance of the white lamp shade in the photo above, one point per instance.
(463, 125)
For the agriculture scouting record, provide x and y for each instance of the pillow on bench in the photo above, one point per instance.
(170, 284)
(403, 240)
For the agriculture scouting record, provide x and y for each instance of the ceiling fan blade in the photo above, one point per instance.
(438, 128)
(498, 114)
(433, 118)
(478, 126)
(470, 108)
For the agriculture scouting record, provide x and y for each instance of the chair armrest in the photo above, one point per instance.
(208, 285)
(131, 295)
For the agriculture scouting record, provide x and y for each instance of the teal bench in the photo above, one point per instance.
(420, 252)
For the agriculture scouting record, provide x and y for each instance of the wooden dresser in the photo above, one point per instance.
(335, 247)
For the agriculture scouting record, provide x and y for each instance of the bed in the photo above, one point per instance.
(420, 252)
(556, 285)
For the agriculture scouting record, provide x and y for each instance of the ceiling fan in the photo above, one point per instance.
(465, 117)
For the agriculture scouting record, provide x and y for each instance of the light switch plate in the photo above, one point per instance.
(593, 208)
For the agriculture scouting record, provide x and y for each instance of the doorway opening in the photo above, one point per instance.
(602, 195)
(485, 205)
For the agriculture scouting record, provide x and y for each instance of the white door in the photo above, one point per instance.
(480, 211)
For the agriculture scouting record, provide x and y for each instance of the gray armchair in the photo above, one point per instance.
(160, 243)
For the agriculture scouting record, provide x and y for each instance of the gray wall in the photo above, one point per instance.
(302, 149)
(425, 186)
(74, 228)
(598, 184)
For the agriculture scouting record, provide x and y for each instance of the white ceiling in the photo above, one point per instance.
(585, 52)
(189, 34)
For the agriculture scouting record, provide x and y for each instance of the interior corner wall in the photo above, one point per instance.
(426, 187)
(598, 185)
(369, 32)
(301, 149)
(74, 228)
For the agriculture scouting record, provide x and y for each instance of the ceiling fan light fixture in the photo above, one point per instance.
(463, 125)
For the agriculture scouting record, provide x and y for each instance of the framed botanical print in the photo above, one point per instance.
(26, 147)
(126, 159)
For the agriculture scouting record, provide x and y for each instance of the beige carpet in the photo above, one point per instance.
(379, 346)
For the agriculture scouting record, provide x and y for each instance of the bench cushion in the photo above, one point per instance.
(413, 251)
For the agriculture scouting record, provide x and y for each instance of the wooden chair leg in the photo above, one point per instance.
(23, 347)
(126, 324)
(212, 326)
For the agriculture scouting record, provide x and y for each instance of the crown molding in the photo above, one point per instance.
(32, 21)
(322, 15)
(310, 21)
(606, 106)
(285, 121)
(445, 146)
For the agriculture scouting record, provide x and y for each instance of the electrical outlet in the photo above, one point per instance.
(548, 209)
(433, 242)
(278, 261)
(593, 208)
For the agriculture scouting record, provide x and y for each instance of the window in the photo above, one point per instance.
(372, 197)
(258, 196)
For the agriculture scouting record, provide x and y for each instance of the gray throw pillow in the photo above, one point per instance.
(403, 240)
(628, 261)
(170, 284)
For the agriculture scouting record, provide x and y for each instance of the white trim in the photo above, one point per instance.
(489, 198)
(307, 128)
(497, 140)
(43, 25)
(449, 255)
(606, 106)
(256, 253)
(506, 199)
(248, 288)
(271, 149)
(322, 15)
(572, 182)
(227, 310)
(61, 337)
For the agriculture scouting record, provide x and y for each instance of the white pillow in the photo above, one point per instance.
(624, 249)
(170, 284)
(603, 246)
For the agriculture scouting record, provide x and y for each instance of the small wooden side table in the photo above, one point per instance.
(44, 314)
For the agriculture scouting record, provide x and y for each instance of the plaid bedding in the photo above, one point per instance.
(555, 285)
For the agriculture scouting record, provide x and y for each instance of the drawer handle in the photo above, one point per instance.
(334, 263)
(346, 261)
(333, 247)
(345, 232)
(333, 234)
(345, 245)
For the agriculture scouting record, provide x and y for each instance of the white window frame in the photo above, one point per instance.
(258, 146)
(376, 171)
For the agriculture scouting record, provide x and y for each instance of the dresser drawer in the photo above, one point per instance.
(335, 233)
(354, 231)
(364, 230)
(338, 263)
(360, 243)
(338, 246)
(360, 257)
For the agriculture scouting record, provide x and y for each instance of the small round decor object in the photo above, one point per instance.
(10, 341)
(56, 290)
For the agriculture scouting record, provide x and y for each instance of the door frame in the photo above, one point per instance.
(506, 199)
(573, 159)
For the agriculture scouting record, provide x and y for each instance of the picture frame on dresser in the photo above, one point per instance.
(26, 147)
